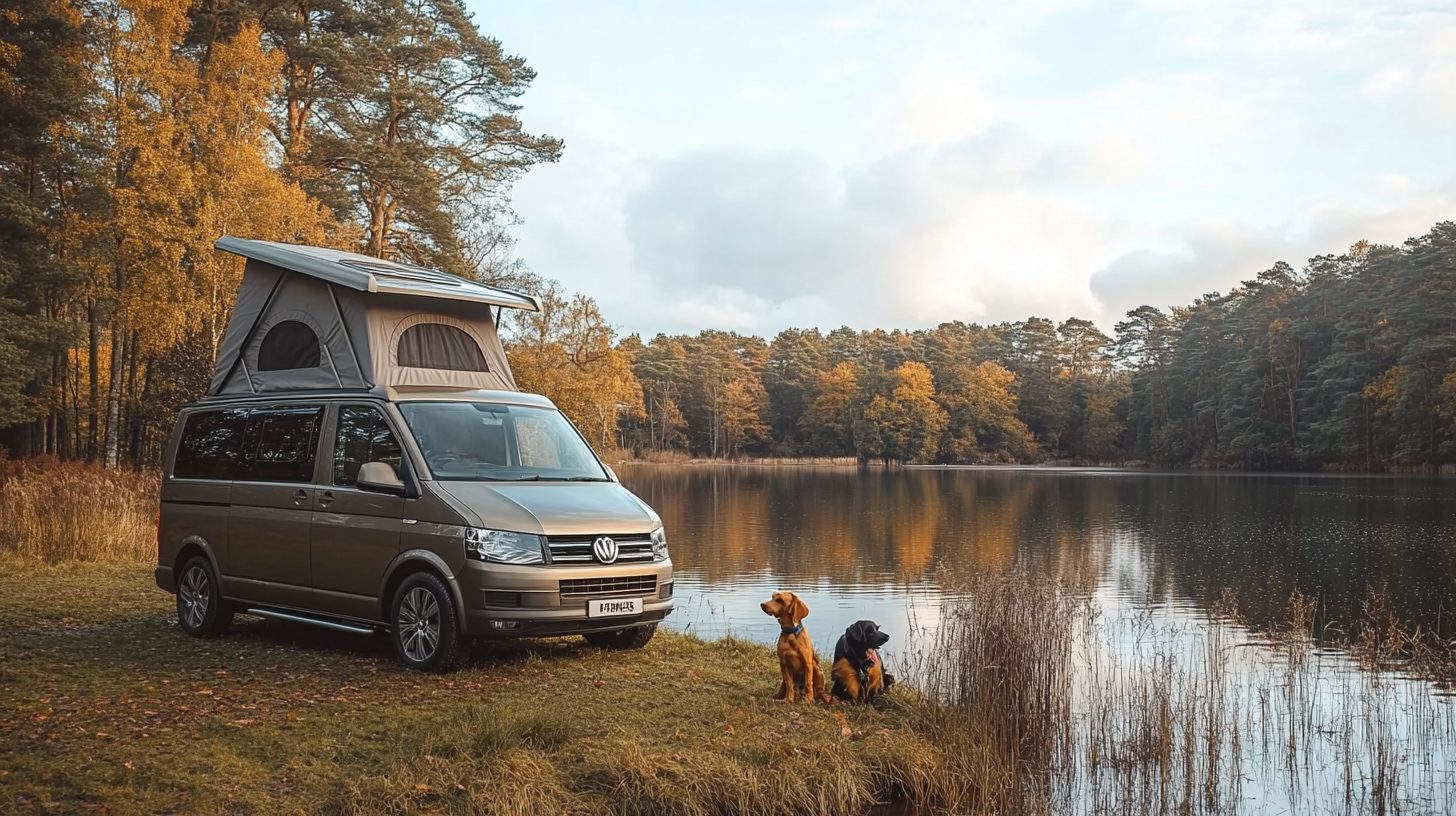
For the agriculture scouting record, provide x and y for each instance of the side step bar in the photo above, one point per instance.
(351, 628)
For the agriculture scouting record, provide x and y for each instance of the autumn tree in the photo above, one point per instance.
(829, 419)
(566, 353)
(909, 424)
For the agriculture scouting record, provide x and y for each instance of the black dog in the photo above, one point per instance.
(859, 674)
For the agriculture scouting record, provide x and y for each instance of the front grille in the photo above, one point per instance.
(578, 549)
(497, 598)
(625, 585)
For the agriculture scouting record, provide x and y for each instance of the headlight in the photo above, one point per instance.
(659, 543)
(499, 545)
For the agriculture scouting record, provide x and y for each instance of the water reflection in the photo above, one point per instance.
(868, 542)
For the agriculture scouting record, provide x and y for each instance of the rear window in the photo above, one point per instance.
(259, 445)
(280, 444)
(211, 446)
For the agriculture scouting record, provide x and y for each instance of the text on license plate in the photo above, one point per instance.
(614, 606)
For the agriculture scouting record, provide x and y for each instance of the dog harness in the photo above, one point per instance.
(794, 631)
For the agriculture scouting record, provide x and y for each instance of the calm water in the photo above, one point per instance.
(1263, 732)
(869, 543)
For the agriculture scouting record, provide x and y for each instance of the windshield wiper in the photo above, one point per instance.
(584, 479)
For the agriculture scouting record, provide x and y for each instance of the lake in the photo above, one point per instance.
(868, 543)
(1268, 723)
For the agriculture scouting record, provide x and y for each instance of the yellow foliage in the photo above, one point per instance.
(565, 353)
(1384, 391)
(188, 162)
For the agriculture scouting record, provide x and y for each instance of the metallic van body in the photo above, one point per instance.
(338, 553)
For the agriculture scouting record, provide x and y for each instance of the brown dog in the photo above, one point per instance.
(797, 662)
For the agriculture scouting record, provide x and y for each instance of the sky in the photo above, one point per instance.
(755, 166)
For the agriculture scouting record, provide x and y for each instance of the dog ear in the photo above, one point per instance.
(798, 609)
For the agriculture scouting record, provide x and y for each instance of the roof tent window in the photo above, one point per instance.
(290, 344)
(440, 346)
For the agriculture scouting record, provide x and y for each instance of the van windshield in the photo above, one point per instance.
(486, 441)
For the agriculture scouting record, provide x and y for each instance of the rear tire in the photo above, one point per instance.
(424, 626)
(201, 611)
(622, 639)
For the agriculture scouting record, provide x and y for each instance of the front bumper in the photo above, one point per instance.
(506, 601)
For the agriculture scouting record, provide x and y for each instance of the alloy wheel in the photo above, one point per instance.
(419, 624)
(196, 593)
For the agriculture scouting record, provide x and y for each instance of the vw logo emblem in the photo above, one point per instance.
(605, 549)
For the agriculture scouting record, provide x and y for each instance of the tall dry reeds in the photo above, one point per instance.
(1045, 702)
(55, 512)
(996, 685)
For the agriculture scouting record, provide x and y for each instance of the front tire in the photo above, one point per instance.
(622, 639)
(201, 611)
(424, 626)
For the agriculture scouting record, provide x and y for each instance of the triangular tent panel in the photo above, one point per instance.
(311, 319)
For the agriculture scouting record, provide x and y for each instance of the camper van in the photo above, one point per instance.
(364, 462)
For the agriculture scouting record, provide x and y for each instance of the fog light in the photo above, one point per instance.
(499, 624)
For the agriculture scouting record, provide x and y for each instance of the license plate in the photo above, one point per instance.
(613, 607)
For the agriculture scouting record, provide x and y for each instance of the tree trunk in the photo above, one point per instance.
(113, 398)
(93, 347)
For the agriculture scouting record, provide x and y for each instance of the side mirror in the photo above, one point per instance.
(380, 478)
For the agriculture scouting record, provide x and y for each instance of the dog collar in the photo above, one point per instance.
(794, 631)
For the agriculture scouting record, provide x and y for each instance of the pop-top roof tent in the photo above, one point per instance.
(311, 319)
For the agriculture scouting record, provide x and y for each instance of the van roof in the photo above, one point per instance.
(368, 274)
(390, 395)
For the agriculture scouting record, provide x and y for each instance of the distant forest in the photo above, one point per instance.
(134, 133)
(1349, 363)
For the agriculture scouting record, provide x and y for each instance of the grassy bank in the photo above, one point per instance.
(103, 702)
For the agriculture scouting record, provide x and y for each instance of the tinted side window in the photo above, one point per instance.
(280, 444)
(362, 436)
(211, 445)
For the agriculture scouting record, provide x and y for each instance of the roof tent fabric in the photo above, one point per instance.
(310, 319)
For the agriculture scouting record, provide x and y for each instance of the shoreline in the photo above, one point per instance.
(1036, 467)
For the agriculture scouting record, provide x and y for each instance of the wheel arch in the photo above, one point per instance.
(190, 547)
(409, 562)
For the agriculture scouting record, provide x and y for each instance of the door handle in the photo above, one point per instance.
(300, 497)
(326, 498)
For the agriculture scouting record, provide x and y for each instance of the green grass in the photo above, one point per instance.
(105, 706)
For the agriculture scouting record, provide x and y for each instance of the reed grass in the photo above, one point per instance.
(1049, 704)
(56, 512)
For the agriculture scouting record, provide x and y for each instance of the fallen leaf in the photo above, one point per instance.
(459, 786)
(599, 683)
(128, 766)
(205, 691)
(728, 727)
(422, 788)
(241, 723)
